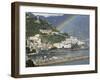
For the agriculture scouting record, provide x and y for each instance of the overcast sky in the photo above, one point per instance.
(47, 14)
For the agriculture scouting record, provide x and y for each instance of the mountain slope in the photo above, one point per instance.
(33, 25)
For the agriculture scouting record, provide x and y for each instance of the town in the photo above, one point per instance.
(47, 54)
(34, 43)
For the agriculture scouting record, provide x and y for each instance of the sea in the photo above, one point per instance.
(63, 52)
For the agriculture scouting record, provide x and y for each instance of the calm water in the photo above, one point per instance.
(77, 62)
(63, 52)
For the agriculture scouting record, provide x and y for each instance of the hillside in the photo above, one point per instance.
(55, 38)
(33, 25)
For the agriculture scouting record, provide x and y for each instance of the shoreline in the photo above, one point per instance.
(62, 60)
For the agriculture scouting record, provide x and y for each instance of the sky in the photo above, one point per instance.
(47, 14)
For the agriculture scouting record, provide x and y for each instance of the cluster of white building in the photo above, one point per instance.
(34, 42)
(67, 43)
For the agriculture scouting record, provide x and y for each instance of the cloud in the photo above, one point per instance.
(47, 14)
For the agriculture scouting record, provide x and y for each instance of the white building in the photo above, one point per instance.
(67, 46)
(35, 39)
(81, 43)
(68, 43)
(45, 31)
(34, 42)
(57, 45)
(54, 32)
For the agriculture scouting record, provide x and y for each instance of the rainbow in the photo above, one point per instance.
(66, 22)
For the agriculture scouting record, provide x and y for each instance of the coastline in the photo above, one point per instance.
(62, 60)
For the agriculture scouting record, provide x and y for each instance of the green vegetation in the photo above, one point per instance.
(33, 27)
(66, 34)
(52, 38)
